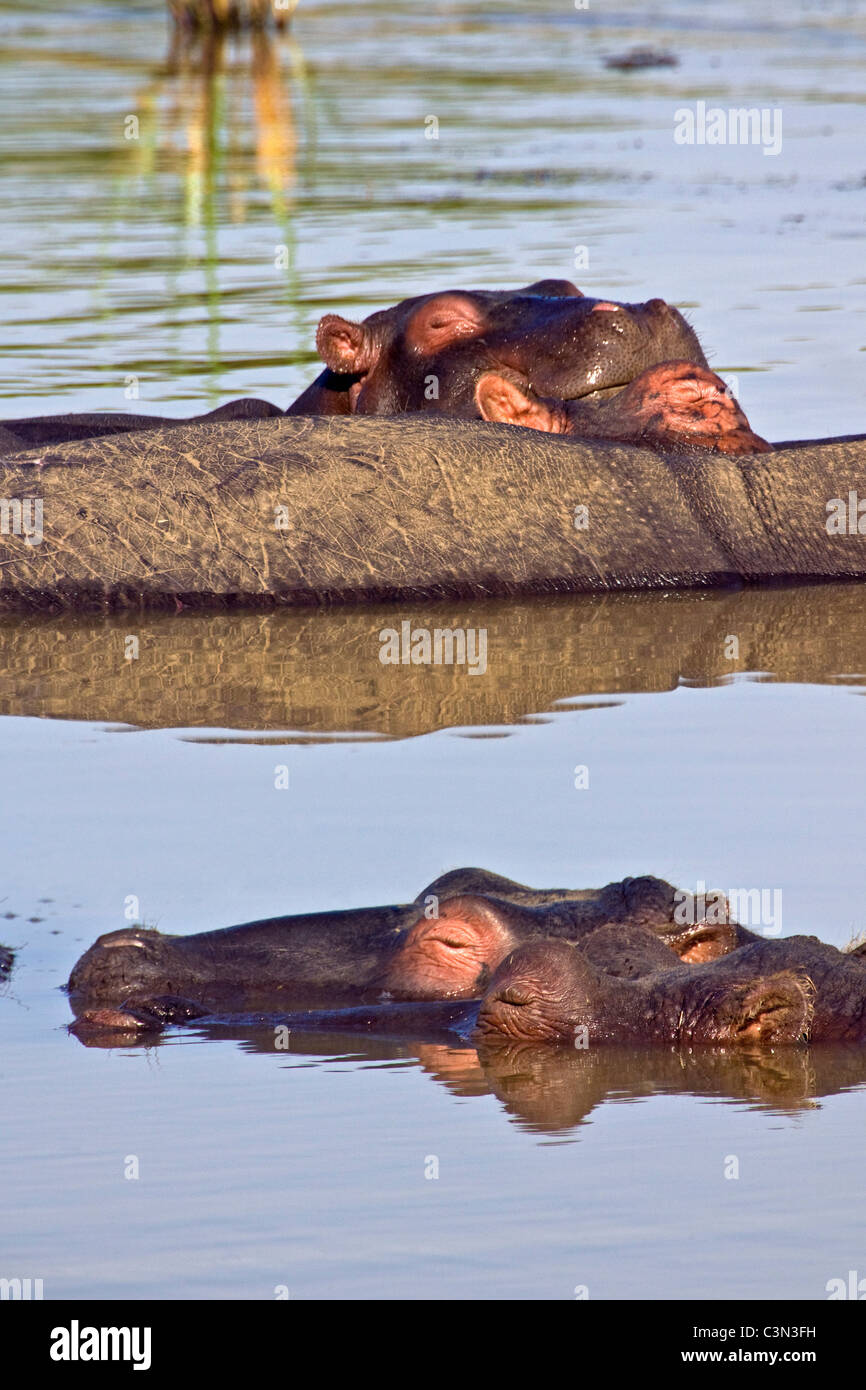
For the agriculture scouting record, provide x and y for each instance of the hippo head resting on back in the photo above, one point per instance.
(429, 352)
(670, 405)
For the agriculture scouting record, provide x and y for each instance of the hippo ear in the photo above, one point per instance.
(772, 1008)
(507, 400)
(443, 320)
(554, 289)
(345, 347)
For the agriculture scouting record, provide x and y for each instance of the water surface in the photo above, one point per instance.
(264, 188)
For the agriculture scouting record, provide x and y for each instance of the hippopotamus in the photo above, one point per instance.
(428, 353)
(302, 511)
(37, 430)
(624, 950)
(546, 991)
(673, 406)
(802, 989)
(445, 944)
(837, 979)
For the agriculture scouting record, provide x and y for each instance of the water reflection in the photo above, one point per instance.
(206, 81)
(196, 114)
(549, 1090)
(318, 673)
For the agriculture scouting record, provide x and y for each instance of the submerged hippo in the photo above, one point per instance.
(544, 992)
(548, 991)
(838, 979)
(445, 944)
(791, 988)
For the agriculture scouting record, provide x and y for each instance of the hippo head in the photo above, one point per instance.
(452, 955)
(670, 404)
(428, 353)
(548, 992)
(627, 950)
(121, 963)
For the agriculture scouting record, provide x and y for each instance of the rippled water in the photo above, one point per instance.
(154, 779)
(155, 257)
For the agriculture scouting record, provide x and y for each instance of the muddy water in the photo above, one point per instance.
(191, 263)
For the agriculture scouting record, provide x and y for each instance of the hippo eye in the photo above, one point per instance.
(516, 997)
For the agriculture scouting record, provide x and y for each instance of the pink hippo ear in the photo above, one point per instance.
(442, 321)
(344, 346)
(507, 400)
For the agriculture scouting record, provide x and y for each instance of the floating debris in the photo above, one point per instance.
(642, 58)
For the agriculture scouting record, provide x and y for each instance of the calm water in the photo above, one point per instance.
(153, 779)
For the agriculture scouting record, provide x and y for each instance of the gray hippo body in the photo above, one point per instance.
(38, 430)
(297, 510)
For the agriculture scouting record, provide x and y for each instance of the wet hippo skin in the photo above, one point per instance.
(838, 979)
(616, 983)
(546, 992)
(785, 990)
(427, 353)
(727, 951)
(443, 945)
(622, 949)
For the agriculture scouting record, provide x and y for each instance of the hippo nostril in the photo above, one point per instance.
(656, 304)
